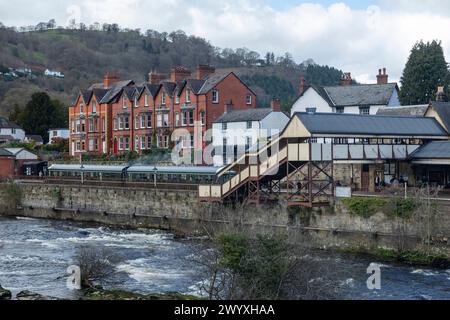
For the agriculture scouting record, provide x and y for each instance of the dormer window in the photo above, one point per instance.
(146, 100)
(94, 107)
(163, 99)
(135, 102)
(81, 107)
(215, 96)
(124, 102)
(188, 95)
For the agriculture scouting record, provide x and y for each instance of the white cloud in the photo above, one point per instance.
(360, 41)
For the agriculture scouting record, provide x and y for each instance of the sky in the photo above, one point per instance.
(357, 36)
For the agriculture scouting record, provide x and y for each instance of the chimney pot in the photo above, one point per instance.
(203, 70)
(346, 79)
(109, 79)
(382, 77)
(275, 104)
(302, 85)
(180, 73)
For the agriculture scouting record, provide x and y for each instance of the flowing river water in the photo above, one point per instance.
(35, 254)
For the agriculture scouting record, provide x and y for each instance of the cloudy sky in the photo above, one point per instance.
(359, 36)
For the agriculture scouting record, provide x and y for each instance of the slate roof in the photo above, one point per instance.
(443, 110)
(130, 92)
(212, 81)
(356, 95)
(169, 86)
(153, 89)
(115, 90)
(257, 114)
(5, 153)
(35, 137)
(433, 150)
(413, 111)
(99, 93)
(355, 124)
(6, 124)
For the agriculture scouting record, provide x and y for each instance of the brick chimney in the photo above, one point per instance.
(179, 74)
(228, 106)
(275, 104)
(155, 77)
(109, 79)
(203, 70)
(440, 95)
(346, 79)
(382, 77)
(302, 87)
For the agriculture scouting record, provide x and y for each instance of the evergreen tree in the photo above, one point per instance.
(425, 70)
(40, 114)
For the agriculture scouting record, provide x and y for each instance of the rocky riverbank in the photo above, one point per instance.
(97, 293)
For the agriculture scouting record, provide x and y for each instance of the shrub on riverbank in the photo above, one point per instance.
(411, 257)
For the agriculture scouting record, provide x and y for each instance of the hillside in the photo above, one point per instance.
(83, 56)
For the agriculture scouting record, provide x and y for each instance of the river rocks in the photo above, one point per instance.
(5, 294)
(28, 295)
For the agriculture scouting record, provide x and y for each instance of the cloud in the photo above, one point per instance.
(356, 40)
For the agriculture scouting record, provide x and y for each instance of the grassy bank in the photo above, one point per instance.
(413, 257)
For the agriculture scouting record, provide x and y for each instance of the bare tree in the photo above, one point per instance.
(96, 265)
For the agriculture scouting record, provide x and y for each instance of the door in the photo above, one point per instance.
(365, 178)
(115, 147)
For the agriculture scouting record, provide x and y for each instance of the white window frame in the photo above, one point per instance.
(163, 99)
(94, 106)
(166, 120)
(248, 99)
(159, 120)
(124, 102)
(143, 145)
(188, 95)
(215, 96)
(146, 100)
(177, 99)
(142, 121)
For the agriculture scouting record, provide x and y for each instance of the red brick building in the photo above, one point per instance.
(7, 164)
(119, 116)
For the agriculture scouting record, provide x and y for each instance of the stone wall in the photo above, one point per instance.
(179, 211)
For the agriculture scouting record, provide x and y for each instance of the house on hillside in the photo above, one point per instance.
(363, 99)
(37, 139)
(58, 133)
(10, 131)
(53, 73)
(237, 131)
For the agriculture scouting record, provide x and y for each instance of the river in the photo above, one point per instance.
(35, 254)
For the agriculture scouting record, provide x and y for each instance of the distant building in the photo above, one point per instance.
(52, 73)
(60, 133)
(12, 161)
(363, 99)
(10, 131)
(34, 138)
(236, 131)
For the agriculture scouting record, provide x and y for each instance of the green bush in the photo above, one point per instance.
(364, 207)
(402, 208)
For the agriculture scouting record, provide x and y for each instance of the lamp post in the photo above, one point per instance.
(155, 170)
